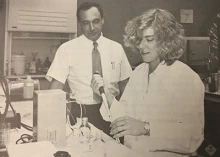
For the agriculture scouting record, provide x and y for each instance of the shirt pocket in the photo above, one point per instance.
(115, 72)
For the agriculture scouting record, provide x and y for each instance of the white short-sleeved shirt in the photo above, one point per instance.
(73, 62)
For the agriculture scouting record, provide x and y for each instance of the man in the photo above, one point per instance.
(74, 62)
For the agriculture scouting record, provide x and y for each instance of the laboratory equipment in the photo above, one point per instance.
(85, 131)
(18, 64)
(49, 116)
(99, 146)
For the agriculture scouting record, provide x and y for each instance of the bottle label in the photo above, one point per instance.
(29, 84)
(28, 92)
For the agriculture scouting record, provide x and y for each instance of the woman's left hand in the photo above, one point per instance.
(127, 126)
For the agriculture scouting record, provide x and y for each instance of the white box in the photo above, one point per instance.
(49, 116)
(34, 149)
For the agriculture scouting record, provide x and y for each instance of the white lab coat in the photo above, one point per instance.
(172, 100)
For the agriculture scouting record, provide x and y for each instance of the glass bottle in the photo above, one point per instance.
(213, 63)
(85, 130)
(32, 69)
(28, 88)
(212, 84)
(46, 65)
(38, 66)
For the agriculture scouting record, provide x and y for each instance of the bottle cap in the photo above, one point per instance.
(85, 119)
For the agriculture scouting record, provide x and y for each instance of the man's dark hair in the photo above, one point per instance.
(86, 6)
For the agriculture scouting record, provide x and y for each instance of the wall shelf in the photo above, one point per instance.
(25, 76)
(197, 38)
(44, 43)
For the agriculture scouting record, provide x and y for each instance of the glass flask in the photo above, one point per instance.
(99, 147)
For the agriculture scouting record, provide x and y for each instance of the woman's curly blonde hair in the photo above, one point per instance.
(168, 33)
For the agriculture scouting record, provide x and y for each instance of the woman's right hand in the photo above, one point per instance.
(127, 126)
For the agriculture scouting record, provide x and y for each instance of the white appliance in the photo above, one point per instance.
(49, 116)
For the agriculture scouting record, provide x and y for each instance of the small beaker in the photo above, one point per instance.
(51, 136)
(5, 129)
(8, 133)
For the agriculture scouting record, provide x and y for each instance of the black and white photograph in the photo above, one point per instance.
(109, 78)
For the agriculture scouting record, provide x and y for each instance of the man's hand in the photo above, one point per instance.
(127, 126)
(96, 83)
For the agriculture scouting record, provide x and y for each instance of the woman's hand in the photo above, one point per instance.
(127, 126)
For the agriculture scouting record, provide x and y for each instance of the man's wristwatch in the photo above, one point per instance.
(147, 128)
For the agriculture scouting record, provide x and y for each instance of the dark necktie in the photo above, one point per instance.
(96, 67)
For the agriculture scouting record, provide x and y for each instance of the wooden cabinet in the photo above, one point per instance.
(36, 27)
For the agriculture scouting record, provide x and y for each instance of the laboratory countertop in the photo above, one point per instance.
(212, 96)
(73, 146)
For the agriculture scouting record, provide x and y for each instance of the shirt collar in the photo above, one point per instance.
(160, 68)
(100, 40)
(90, 42)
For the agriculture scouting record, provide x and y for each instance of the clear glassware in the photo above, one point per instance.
(85, 131)
(51, 136)
(8, 133)
(2, 134)
(99, 147)
(5, 131)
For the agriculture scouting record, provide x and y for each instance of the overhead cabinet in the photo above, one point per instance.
(42, 15)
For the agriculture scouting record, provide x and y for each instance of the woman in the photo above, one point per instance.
(163, 100)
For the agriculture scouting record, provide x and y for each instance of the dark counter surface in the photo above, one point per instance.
(212, 96)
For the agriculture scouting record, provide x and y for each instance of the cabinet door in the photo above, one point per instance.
(42, 15)
(2, 32)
